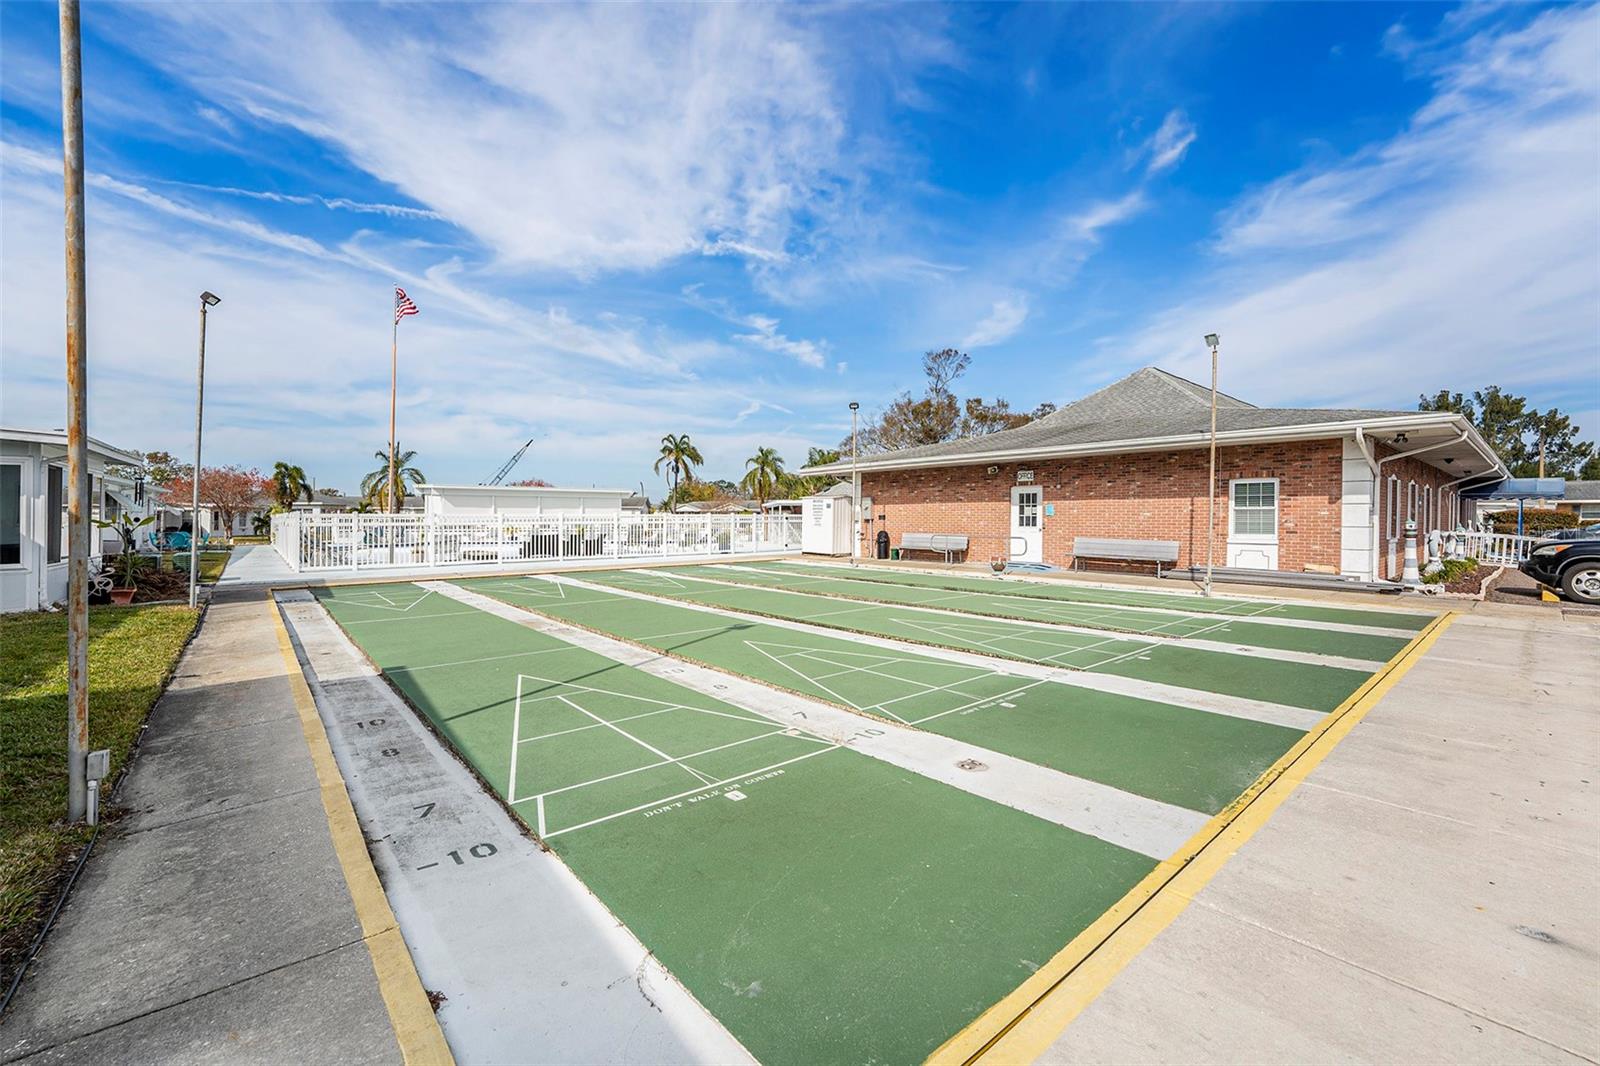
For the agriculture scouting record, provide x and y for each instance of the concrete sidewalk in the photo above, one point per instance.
(213, 922)
(1431, 893)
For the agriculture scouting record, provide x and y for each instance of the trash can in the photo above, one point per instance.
(883, 544)
(894, 553)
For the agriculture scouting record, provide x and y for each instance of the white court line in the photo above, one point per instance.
(406, 618)
(1158, 691)
(1251, 610)
(838, 696)
(688, 792)
(651, 748)
(780, 731)
(592, 725)
(668, 704)
(516, 734)
(470, 662)
(1139, 823)
(387, 605)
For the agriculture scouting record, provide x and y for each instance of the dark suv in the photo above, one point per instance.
(1572, 566)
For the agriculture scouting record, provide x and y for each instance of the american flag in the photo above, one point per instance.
(402, 304)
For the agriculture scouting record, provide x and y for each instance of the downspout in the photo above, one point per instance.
(1372, 524)
(1377, 478)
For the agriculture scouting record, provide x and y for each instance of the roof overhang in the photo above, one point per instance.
(58, 438)
(1419, 428)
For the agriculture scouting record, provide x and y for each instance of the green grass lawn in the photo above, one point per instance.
(132, 651)
(211, 563)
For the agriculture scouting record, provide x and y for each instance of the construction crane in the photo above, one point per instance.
(500, 475)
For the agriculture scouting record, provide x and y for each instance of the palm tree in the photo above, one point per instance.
(289, 483)
(375, 486)
(680, 457)
(763, 472)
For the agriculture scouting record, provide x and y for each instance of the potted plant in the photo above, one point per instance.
(127, 565)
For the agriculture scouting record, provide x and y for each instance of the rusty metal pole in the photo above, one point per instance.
(77, 419)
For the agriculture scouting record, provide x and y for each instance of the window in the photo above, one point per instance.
(1027, 510)
(1255, 508)
(1391, 511)
(10, 514)
(55, 500)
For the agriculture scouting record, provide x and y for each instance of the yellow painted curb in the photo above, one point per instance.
(416, 1029)
(1023, 1024)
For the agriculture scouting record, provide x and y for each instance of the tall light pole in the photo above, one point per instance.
(208, 300)
(1211, 477)
(77, 419)
(855, 488)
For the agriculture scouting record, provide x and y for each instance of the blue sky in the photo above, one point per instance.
(624, 221)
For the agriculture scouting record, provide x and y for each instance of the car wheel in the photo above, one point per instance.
(1582, 582)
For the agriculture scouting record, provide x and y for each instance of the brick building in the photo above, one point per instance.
(1296, 489)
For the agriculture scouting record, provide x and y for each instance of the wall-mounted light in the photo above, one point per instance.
(993, 470)
(1400, 438)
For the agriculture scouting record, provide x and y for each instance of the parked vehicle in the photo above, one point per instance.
(1570, 566)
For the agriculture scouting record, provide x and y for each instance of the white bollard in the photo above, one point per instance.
(1410, 575)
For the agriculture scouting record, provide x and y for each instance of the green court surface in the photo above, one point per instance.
(1072, 592)
(1193, 758)
(1156, 622)
(824, 906)
(1292, 684)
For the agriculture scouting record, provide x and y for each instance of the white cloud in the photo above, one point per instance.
(766, 335)
(1084, 226)
(1002, 322)
(1461, 252)
(572, 139)
(1167, 145)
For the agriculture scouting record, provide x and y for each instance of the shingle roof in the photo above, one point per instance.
(1583, 491)
(1148, 403)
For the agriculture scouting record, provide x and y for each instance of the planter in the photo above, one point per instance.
(122, 597)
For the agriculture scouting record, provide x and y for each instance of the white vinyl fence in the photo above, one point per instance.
(311, 541)
(1495, 549)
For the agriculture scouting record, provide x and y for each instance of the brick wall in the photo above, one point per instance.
(1426, 508)
(1147, 495)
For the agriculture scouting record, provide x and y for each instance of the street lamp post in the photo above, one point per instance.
(208, 300)
(855, 488)
(1211, 477)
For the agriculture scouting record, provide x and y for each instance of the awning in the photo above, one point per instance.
(1519, 488)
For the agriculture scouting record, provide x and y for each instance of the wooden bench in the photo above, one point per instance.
(1133, 551)
(946, 544)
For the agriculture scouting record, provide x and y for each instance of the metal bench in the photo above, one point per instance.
(946, 544)
(1133, 551)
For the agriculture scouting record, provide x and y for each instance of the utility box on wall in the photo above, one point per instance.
(827, 527)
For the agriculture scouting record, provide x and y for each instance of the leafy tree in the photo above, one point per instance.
(1517, 432)
(1591, 469)
(937, 415)
(680, 457)
(228, 491)
(289, 483)
(764, 472)
(375, 486)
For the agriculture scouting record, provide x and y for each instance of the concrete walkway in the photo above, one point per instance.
(213, 923)
(1431, 893)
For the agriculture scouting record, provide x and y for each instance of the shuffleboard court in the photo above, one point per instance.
(1299, 637)
(1290, 683)
(824, 906)
(1069, 591)
(1181, 755)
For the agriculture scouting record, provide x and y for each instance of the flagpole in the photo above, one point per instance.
(394, 369)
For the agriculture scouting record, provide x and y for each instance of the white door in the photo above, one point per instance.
(1027, 527)
(1253, 524)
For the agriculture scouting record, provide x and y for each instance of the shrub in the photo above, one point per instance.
(1533, 522)
(1449, 570)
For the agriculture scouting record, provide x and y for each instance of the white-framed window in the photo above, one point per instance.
(55, 514)
(1411, 501)
(10, 514)
(1589, 512)
(1254, 504)
(1427, 507)
(1391, 509)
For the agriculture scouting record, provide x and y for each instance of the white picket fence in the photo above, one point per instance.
(1495, 549)
(310, 541)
